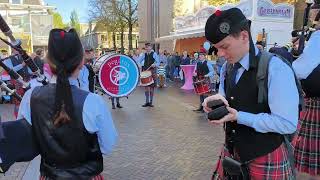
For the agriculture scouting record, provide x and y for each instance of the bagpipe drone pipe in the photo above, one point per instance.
(16, 44)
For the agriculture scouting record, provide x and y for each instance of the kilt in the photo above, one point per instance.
(307, 140)
(273, 166)
(98, 177)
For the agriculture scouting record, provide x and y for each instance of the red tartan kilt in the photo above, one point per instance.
(98, 177)
(273, 166)
(307, 140)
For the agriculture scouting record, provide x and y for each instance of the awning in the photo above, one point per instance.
(181, 35)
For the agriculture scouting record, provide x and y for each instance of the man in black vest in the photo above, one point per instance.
(254, 131)
(204, 69)
(149, 61)
(88, 62)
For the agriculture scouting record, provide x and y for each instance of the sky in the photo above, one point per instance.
(65, 7)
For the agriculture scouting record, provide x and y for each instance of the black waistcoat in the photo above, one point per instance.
(311, 85)
(249, 143)
(68, 151)
(148, 61)
(90, 77)
(202, 68)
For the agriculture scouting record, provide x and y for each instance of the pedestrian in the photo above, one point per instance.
(38, 59)
(177, 63)
(185, 59)
(161, 72)
(254, 131)
(71, 127)
(195, 58)
(88, 63)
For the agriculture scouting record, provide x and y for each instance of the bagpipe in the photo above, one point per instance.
(17, 143)
(289, 51)
(11, 92)
(16, 44)
(305, 33)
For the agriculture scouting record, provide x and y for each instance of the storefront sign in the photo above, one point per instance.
(268, 9)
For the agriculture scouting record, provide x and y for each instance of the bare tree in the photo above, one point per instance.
(127, 9)
(112, 13)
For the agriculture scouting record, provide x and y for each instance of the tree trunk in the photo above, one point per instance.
(122, 39)
(130, 36)
(130, 25)
(114, 40)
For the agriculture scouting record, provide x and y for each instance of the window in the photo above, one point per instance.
(16, 1)
(103, 38)
(16, 21)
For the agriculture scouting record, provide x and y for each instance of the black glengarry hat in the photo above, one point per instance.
(223, 23)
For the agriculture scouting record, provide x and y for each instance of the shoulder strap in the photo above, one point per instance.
(262, 78)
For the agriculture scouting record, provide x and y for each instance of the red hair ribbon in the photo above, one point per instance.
(218, 13)
(62, 34)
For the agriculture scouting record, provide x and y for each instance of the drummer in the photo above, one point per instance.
(203, 69)
(149, 61)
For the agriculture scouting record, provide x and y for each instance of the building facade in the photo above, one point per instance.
(157, 19)
(29, 21)
(97, 36)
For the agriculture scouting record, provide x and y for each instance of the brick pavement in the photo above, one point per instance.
(169, 141)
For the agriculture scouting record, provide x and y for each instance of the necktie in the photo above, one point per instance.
(233, 74)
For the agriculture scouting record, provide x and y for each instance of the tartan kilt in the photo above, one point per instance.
(273, 166)
(98, 177)
(307, 140)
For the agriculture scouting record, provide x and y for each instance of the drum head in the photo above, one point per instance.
(146, 74)
(118, 75)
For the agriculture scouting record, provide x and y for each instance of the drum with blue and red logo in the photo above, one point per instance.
(118, 74)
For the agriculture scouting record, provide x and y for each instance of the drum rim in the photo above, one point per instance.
(105, 61)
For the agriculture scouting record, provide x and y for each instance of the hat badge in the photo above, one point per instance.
(224, 27)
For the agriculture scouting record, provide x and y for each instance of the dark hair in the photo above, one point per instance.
(65, 53)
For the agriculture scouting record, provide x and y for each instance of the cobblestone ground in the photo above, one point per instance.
(169, 141)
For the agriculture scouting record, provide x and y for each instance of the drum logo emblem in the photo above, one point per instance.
(119, 75)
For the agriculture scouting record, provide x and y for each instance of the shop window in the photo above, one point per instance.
(16, 1)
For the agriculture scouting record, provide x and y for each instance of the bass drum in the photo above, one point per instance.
(116, 75)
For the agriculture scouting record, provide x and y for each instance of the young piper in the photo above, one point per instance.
(72, 127)
(254, 131)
